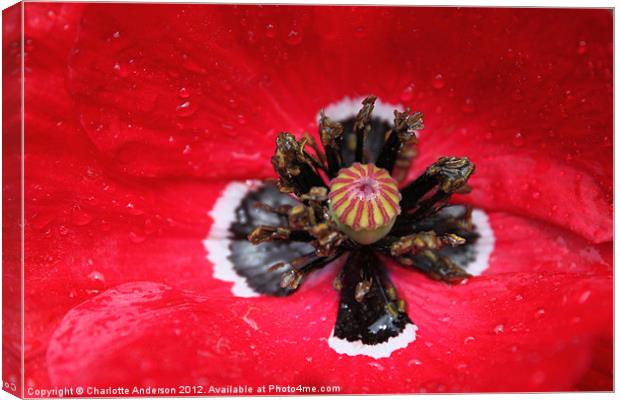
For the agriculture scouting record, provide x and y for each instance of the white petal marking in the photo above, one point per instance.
(217, 243)
(484, 245)
(349, 107)
(381, 350)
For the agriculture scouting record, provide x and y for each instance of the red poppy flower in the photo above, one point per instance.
(144, 121)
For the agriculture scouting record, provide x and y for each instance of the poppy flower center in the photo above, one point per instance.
(364, 202)
(340, 199)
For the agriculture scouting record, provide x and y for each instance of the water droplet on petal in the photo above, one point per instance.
(536, 195)
(136, 238)
(187, 149)
(81, 218)
(407, 93)
(183, 93)
(251, 37)
(469, 339)
(294, 38)
(583, 47)
(133, 210)
(414, 362)
(498, 329)
(185, 109)
(116, 35)
(518, 139)
(468, 106)
(438, 82)
(96, 282)
(540, 313)
(584, 297)
(270, 31)
(360, 32)
(121, 70)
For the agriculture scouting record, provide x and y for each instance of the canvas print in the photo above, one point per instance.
(216, 200)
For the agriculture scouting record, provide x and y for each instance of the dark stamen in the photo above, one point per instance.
(369, 309)
(293, 166)
(448, 174)
(331, 134)
(400, 140)
(438, 267)
(362, 127)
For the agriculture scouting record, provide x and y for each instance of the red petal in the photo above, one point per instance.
(476, 337)
(525, 245)
(521, 332)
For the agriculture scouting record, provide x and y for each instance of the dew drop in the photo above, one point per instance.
(584, 297)
(414, 362)
(517, 139)
(116, 35)
(536, 195)
(183, 93)
(136, 238)
(498, 329)
(468, 106)
(149, 226)
(407, 93)
(81, 218)
(539, 313)
(185, 109)
(96, 282)
(360, 32)
(583, 47)
(251, 37)
(294, 38)
(270, 31)
(438, 82)
(133, 210)
(378, 366)
(187, 149)
(120, 70)
(63, 230)
(96, 276)
(469, 339)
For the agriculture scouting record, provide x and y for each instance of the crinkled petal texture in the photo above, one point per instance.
(508, 333)
(133, 132)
